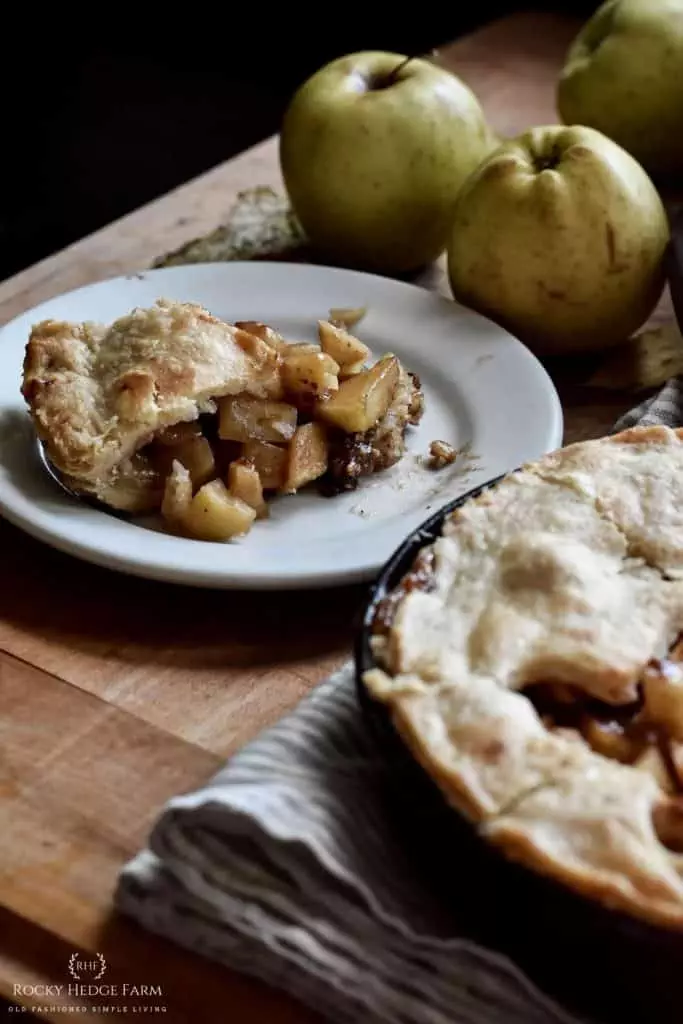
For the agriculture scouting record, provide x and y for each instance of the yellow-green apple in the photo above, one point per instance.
(374, 148)
(623, 75)
(560, 237)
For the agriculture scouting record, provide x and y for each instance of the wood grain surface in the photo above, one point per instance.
(118, 693)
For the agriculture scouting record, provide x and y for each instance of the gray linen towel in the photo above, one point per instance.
(666, 407)
(286, 866)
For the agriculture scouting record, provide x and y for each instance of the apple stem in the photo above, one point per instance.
(392, 77)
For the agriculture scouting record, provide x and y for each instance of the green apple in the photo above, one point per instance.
(374, 148)
(560, 237)
(624, 76)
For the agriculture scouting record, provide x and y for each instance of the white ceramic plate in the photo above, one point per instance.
(484, 393)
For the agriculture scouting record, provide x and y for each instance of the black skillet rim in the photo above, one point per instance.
(389, 577)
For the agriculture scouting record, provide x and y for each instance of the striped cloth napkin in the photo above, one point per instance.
(288, 866)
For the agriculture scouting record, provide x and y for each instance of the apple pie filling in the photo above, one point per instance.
(171, 410)
(639, 733)
(419, 577)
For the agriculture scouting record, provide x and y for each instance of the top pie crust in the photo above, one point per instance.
(99, 393)
(567, 572)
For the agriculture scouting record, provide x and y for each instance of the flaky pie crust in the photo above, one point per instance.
(98, 393)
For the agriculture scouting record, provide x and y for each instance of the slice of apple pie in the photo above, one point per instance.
(171, 409)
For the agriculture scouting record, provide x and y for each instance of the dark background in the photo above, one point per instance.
(103, 112)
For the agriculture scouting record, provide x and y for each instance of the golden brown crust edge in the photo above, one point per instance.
(95, 399)
(655, 903)
(521, 850)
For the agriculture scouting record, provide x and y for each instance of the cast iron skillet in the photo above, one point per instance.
(597, 962)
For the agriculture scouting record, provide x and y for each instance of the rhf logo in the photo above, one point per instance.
(92, 970)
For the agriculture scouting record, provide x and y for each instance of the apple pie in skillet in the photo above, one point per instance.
(531, 662)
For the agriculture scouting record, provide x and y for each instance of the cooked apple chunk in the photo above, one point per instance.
(177, 495)
(245, 483)
(347, 317)
(304, 346)
(308, 375)
(351, 369)
(197, 457)
(262, 331)
(193, 451)
(362, 401)
(171, 437)
(269, 461)
(341, 346)
(307, 456)
(216, 514)
(245, 419)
